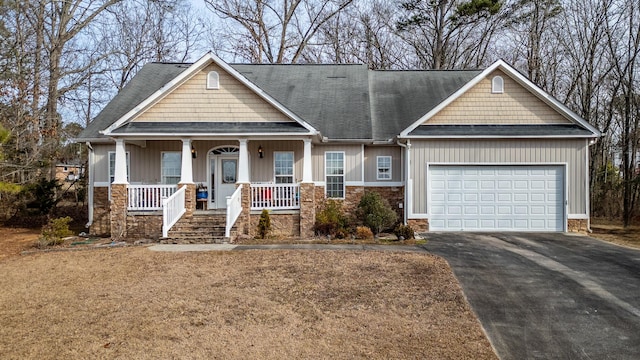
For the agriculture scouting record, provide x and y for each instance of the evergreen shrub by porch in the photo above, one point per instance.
(332, 221)
(264, 224)
(54, 232)
(375, 212)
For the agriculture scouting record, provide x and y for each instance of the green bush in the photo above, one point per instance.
(404, 232)
(264, 224)
(55, 231)
(375, 212)
(332, 221)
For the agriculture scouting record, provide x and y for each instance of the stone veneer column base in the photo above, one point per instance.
(244, 221)
(189, 198)
(118, 211)
(577, 225)
(419, 225)
(307, 210)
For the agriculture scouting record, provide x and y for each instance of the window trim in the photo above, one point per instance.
(113, 175)
(293, 167)
(162, 176)
(497, 85)
(379, 175)
(213, 80)
(326, 175)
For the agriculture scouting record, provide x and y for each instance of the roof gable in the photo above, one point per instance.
(525, 104)
(189, 73)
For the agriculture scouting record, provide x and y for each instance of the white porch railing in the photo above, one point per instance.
(234, 208)
(148, 197)
(275, 196)
(172, 210)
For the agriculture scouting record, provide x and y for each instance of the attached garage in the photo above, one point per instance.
(496, 197)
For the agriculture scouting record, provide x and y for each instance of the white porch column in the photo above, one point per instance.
(243, 162)
(120, 171)
(186, 170)
(307, 175)
(408, 189)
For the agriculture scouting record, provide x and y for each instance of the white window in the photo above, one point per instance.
(112, 166)
(213, 80)
(283, 167)
(497, 85)
(171, 167)
(384, 167)
(334, 174)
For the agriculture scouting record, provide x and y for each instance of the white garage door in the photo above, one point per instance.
(496, 198)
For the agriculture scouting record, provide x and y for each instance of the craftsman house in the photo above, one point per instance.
(194, 152)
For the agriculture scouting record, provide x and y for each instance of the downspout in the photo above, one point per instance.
(405, 175)
(91, 158)
(588, 197)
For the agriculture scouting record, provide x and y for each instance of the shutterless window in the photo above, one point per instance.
(283, 167)
(112, 166)
(384, 167)
(213, 80)
(497, 85)
(171, 167)
(334, 174)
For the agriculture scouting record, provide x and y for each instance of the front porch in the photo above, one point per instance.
(223, 190)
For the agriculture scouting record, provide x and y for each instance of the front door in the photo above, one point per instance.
(222, 179)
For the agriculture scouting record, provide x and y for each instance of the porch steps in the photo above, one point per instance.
(201, 228)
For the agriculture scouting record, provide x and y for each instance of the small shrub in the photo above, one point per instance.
(54, 231)
(363, 233)
(332, 221)
(264, 224)
(375, 212)
(404, 232)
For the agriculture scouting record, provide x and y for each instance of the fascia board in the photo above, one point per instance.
(498, 136)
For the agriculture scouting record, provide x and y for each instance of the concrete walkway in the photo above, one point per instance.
(233, 247)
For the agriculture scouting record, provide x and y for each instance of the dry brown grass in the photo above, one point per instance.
(614, 232)
(133, 303)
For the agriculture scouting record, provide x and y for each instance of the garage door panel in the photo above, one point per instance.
(485, 198)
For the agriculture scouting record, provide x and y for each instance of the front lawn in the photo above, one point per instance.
(134, 303)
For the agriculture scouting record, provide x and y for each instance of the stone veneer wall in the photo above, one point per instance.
(393, 194)
(284, 224)
(419, 225)
(577, 225)
(144, 226)
(307, 210)
(101, 225)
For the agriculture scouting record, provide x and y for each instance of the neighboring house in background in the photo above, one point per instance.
(69, 172)
(483, 150)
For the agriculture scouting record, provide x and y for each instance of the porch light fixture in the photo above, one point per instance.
(194, 153)
(260, 152)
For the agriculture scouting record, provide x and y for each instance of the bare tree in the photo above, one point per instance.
(448, 34)
(275, 31)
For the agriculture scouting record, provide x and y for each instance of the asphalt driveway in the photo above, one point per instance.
(549, 296)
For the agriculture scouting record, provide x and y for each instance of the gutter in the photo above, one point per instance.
(587, 199)
(91, 166)
(405, 175)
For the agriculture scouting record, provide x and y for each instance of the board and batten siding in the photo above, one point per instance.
(516, 105)
(262, 169)
(371, 165)
(192, 101)
(353, 161)
(496, 152)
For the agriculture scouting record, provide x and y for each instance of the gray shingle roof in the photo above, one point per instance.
(501, 130)
(341, 101)
(332, 98)
(148, 80)
(197, 127)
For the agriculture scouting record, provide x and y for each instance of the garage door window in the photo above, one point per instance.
(334, 172)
